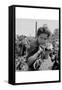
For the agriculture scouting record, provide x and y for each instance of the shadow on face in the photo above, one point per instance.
(42, 38)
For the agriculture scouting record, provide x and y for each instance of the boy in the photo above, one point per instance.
(33, 57)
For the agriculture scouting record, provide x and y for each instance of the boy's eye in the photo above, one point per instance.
(44, 38)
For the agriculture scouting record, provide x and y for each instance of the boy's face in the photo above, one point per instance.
(42, 38)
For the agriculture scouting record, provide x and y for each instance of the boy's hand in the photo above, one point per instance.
(40, 49)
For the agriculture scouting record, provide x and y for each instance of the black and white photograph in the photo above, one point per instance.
(36, 44)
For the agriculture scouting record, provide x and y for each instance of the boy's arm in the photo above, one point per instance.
(34, 57)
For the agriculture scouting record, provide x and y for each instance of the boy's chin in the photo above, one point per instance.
(42, 44)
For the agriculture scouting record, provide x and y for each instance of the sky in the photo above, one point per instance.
(27, 26)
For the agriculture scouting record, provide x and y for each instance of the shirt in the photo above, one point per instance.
(46, 64)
